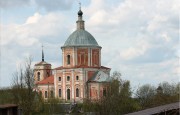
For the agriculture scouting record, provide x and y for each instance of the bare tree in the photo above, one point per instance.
(22, 88)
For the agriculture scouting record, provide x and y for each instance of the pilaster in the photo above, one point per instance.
(64, 86)
(55, 84)
(72, 85)
(89, 56)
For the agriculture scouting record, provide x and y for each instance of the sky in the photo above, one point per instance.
(139, 38)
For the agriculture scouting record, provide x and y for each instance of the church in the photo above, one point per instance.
(81, 75)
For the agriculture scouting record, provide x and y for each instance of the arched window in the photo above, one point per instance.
(38, 76)
(46, 94)
(68, 59)
(68, 78)
(77, 92)
(59, 78)
(59, 92)
(77, 78)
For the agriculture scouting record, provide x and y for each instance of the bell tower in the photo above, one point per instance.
(42, 69)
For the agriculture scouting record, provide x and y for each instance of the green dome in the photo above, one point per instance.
(81, 37)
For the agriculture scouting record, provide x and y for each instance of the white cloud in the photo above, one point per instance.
(35, 28)
(34, 19)
(142, 34)
(138, 37)
(20, 40)
(44, 25)
(136, 51)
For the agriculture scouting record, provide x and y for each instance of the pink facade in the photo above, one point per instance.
(81, 74)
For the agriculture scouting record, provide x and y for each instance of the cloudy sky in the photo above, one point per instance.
(139, 38)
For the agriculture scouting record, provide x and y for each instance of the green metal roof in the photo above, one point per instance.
(100, 76)
(81, 37)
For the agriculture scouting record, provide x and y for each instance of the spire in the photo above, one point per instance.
(80, 22)
(42, 53)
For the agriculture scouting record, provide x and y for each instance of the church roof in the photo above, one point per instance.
(61, 67)
(42, 63)
(81, 37)
(48, 80)
(100, 76)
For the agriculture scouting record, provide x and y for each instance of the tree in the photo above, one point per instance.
(22, 89)
(169, 94)
(118, 99)
(150, 96)
(144, 94)
(169, 89)
(5, 95)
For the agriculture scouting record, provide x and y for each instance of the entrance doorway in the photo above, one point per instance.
(68, 94)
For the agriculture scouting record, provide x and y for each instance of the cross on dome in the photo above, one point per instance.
(42, 53)
(80, 13)
(79, 5)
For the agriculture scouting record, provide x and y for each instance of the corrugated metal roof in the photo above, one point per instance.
(158, 109)
(100, 76)
(81, 37)
(61, 67)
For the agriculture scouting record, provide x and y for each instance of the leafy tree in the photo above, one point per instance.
(5, 95)
(169, 89)
(145, 94)
(117, 101)
(150, 96)
(169, 94)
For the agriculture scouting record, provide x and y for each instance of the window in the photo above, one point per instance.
(38, 76)
(59, 78)
(77, 78)
(77, 92)
(46, 94)
(59, 92)
(104, 92)
(68, 59)
(68, 78)
(68, 94)
(47, 74)
(83, 58)
(52, 94)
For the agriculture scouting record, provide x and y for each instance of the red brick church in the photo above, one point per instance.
(81, 74)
